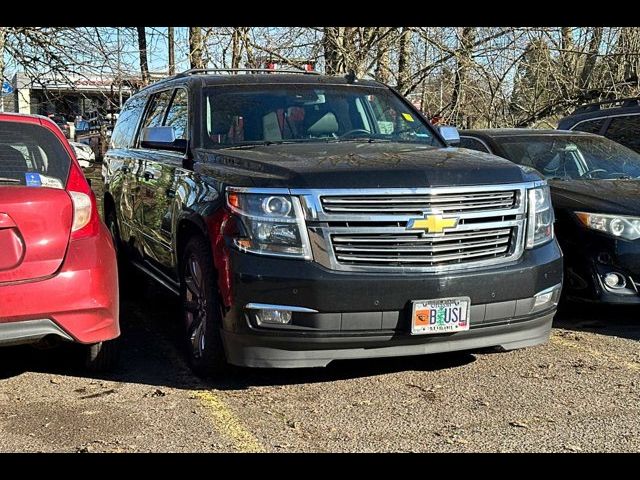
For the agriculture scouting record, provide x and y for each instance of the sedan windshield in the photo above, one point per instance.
(245, 115)
(583, 157)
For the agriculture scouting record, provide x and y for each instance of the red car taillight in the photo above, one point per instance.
(85, 211)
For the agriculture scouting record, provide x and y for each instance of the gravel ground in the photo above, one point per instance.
(578, 393)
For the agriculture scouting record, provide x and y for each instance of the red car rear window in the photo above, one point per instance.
(31, 155)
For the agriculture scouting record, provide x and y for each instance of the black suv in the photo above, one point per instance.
(618, 120)
(306, 218)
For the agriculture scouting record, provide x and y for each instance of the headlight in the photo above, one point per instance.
(540, 224)
(273, 224)
(620, 226)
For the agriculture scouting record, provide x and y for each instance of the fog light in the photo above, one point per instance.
(542, 299)
(614, 280)
(281, 317)
(546, 298)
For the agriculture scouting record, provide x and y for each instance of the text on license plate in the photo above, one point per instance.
(440, 315)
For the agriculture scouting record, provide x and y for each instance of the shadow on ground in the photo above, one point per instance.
(151, 354)
(617, 321)
(152, 351)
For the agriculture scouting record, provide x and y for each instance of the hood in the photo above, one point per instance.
(356, 165)
(601, 196)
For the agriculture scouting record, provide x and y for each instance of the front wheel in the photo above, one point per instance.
(201, 308)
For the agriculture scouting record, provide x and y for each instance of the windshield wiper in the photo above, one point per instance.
(360, 139)
(9, 180)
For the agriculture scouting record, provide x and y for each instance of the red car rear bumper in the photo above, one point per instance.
(81, 298)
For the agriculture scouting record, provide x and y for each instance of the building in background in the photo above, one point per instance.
(85, 107)
(72, 96)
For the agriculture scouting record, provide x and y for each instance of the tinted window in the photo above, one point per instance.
(156, 109)
(31, 152)
(473, 144)
(125, 130)
(310, 113)
(177, 115)
(590, 126)
(625, 130)
(584, 157)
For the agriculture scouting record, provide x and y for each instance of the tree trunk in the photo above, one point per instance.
(142, 47)
(567, 62)
(195, 47)
(330, 45)
(171, 48)
(246, 41)
(404, 61)
(236, 48)
(592, 57)
(463, 56)
(383, 62)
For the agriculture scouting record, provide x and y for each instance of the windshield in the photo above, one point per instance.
(245, 115)
(572, 156)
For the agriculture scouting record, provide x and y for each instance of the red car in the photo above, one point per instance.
(58, 273)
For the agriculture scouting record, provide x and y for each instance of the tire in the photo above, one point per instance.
(101, 357)
(201, 309)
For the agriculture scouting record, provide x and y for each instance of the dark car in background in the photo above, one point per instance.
(618, 120)
(595, 190)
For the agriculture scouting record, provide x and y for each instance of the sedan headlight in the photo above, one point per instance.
(273, 224)
(540, 224)
(620, 226)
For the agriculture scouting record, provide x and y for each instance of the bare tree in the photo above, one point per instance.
(404, 53)
(142, 47)
(383, 59)
(196, 47)
(171, 50)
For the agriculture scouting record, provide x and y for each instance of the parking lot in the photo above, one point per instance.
(579, 392)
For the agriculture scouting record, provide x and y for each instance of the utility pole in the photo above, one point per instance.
(172, 55)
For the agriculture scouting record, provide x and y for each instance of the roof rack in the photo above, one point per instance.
(620, 102)
(196, 71)
(200, 71)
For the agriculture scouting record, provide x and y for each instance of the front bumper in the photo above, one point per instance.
(80, 302)
(368, 315)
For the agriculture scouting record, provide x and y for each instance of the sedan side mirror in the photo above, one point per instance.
(450, 135)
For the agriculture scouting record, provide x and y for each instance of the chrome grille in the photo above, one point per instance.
(366, 230)
(416, 204)
(415, 249)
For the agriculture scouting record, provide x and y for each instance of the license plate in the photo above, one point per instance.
(441, 315)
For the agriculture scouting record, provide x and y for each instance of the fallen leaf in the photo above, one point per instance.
(573, 448)
(519, 424)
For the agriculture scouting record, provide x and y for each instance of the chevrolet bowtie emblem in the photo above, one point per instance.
(434, 223)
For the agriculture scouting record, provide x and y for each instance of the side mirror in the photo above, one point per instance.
(450, 134)
(162, 138)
